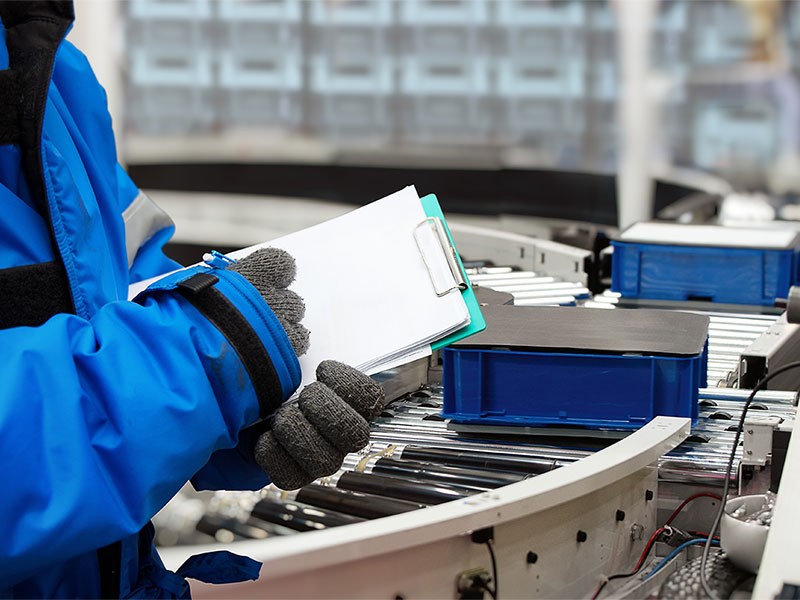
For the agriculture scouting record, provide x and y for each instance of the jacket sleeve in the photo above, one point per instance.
(147, 229)
(102, 421)
(80, 103)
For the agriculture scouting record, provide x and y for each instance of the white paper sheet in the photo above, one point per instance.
(370, 301)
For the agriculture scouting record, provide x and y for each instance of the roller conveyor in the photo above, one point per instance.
(537, 519)
(415, 462)
(529, 288)
(408, 444)
(706, 451)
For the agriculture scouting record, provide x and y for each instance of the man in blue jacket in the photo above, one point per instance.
(107, 407)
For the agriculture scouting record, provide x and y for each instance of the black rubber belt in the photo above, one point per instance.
(34, 31)
(10, 102)
(31, 294)
(200, 291)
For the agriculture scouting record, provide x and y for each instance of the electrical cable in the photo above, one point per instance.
(712, 532)
(651, 542)
(492, 591)
(677, 511)
(647, 547)
(489, 590)
(601, 587)
(675, 551)
(701, 534)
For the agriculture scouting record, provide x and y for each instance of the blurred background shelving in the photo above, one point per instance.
(511, 111)
(496, 82)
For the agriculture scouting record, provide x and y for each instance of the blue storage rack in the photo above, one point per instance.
(568, 377)
(706, 263)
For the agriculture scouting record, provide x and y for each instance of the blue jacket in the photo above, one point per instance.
(105, 413)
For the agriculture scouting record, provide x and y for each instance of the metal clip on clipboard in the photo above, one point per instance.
(431, 238)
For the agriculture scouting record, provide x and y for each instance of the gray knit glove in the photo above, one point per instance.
(271, 271)
(308, 438)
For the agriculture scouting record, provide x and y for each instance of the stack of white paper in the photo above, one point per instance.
(369, 294)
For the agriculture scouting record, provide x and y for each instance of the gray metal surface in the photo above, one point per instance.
(565, 329)
(729, 334)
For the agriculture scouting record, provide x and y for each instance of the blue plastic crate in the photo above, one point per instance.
(450, 12)
(735, 130)
(352, 12)
(486, 383)
(467, 77)
(269, 11)
(706, 263)
(502, 387)
(545, 15)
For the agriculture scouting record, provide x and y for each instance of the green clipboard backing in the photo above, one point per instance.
(476, 321)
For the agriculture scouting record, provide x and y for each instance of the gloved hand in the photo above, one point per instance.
(309, 438)
(271, 271)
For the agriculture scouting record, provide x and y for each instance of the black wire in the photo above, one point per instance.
(641, 563)
(711, 532)
(492, 592)
(489, 590)
(600, 589)
(622, 575)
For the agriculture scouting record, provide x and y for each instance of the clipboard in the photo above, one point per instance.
(304, 246)
(430, 204)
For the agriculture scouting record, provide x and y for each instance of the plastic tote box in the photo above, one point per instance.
(670, 261)
(576, 367)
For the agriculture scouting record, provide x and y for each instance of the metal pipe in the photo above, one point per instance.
(225, 529)
(299, 516)
(392, 487)
(367, 506)
(442, 472)
(484, 460)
